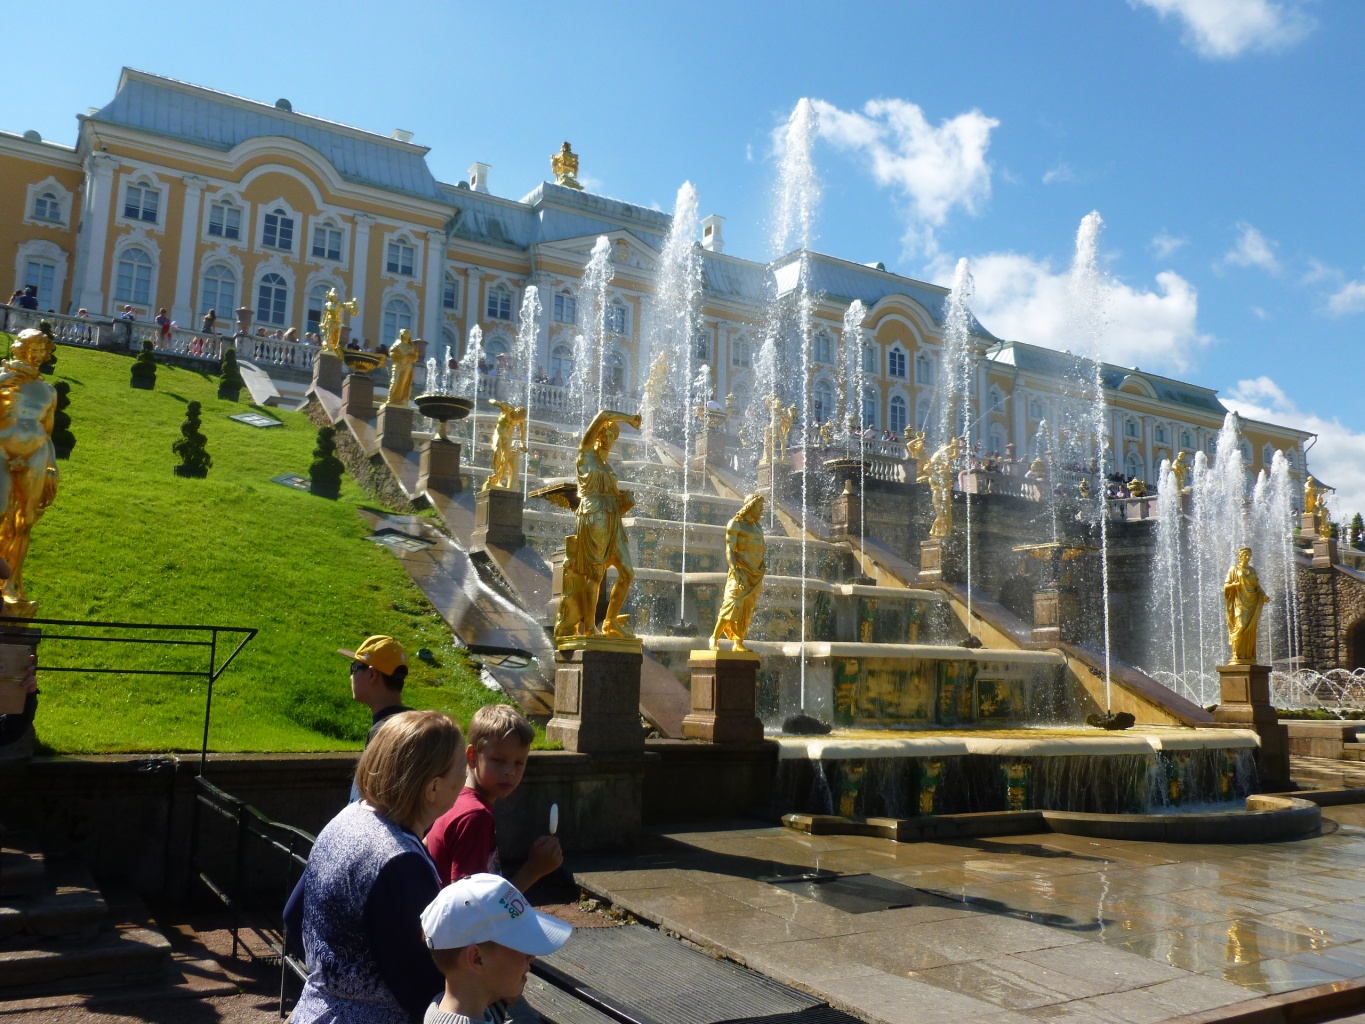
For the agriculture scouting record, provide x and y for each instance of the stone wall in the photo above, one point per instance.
(1331, 605)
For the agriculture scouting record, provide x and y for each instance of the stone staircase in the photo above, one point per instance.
(57, 931)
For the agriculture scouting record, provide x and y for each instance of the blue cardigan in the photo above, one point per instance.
(356, 911)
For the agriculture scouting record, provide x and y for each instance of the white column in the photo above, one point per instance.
(436, 278)
(360, 268)
(95, 215)
(182, 303)
(1148, 443)
(547, 305)
(471, 301)
(640, 369)
(1019, 402)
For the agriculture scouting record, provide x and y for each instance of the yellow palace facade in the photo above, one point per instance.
(183, 197)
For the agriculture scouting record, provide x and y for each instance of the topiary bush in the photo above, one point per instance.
(62, 438)
(230, 385)
(194, 457)
(324, 475)
(144, 369)
(46, 327)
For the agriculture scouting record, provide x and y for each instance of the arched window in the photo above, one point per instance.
(42, 275)
(134, 279)
(1162, 434)
(1244, 446)
(895, 363)
(869, 359)
(871, 399)
(451, 343)
(997, 441)
(924, 369)
(701, 346)
(898, 415)
(317, 298)
(1185, 441)
(824, 348)
(401, 257)
(614, 378)
(1267, 454)
(397, 317)
(923, 410)
(997, 399)
(823, 401)
(1132, 464)
(565, 308)
(225, 220)
(450, 293)
(499, 306)
(1289, 459)
(492, 348)
(140, 202)
(739, 352)
(327, 241)
(272, 298)
(219, 291)
(616, 318)
(561, 365)
(47, 207)
(277, 232)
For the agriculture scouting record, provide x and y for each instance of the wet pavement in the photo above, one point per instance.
(1019, 928)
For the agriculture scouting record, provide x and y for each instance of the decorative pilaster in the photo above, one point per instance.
(182, 303)
(96, 213)
(360, 267)
(431, 301)
(473, 308)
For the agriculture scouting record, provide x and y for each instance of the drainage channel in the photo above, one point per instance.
(636, 975)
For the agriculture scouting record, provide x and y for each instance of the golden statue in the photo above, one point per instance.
(914, 447)
(329, 327)
(27, 406)
(1137, 489)
(745, 553)
(1244, 599)
(782, 418)
(1083, 488)
(402, 356)
(658, 375)
(939, 474)
(565, 167)
(600, 542)
(827, 433)
(1180, 469)
(506, 451)
(1315, 506)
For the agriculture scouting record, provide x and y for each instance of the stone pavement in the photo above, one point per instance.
(1015, 929)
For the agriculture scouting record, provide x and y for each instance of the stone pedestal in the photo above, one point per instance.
(357, 396)
(1245, 703)
(1325, 553)
(774, 478)
(597, 699)
(438, 466)
(1308, 524)
(1056, 615)
(328, 370)
(17, 646)
(394, 427)
(724, 696)
(497, 519)
(846, 513)
(942, 561)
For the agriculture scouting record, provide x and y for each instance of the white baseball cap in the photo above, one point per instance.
(488, 908)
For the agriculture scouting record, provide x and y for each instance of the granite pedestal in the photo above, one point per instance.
(357, 396)
(774, 478)
(394, 427)
(942, 561)
(498, 519)
(724, 695)
(438, 466)
(328, 371)
(1056, 615)
(597, 698)
(1245, 702)
(1325, 553)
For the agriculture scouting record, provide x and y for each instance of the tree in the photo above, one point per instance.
(62, 438)
(325, 473)
(194, 456)
(231, 383)
(1357, 531)
(144, 369)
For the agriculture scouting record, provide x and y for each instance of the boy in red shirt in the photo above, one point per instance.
(464, 841)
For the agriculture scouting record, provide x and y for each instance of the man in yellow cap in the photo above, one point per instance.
(379, 668)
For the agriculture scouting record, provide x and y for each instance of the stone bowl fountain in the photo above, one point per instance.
(362, 362)
(443, 409)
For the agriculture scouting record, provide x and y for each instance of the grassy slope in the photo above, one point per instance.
(128, 541)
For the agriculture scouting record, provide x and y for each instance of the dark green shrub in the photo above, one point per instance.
(62, 438)
(231, 383)
(194, 456)
(324, 475)
(144, 368)
(46, 327)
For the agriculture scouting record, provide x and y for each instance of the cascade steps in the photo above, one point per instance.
(1353, 751)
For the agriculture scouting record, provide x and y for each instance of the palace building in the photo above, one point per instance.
(181, 196)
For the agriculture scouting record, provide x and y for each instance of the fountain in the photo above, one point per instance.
(528, 330)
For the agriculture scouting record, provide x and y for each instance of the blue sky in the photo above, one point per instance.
(1219, 139)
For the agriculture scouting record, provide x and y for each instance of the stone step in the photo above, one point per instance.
(129, 953)
(1353, 751)
(21, 865)
(67, 902)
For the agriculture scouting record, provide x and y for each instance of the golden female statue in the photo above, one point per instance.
(329, 327)
(745, 554)
(403, 357)
(939, 474)
(600, 542)
(1244, 599)
(29, 484)
(506, 451)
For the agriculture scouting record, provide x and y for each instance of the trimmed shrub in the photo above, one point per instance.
(194, 456)
(324, 475)
(230, 385)
(62, 438)
(144, 369)
(46, 327)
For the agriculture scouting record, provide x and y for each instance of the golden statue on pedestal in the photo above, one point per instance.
(29, 483)
(506, 451)
(1315, 506)
(329, 327)
(402, 356)
(775, 437)
(1244, 599)
(914, 447)
(600, 542)
(939, 474)
(745, 556)
(658, 374)
(1180, 469)
(565, 167)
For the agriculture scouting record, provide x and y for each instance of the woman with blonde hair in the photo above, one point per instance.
(356, 910)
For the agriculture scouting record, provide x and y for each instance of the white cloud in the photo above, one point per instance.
(1063, 173)
(1223, 29)
(934, 169)
(1252, 249)
(1164, 244)
(1338, 455)
(1259, 313)
(1020, 298)
(1349, 298)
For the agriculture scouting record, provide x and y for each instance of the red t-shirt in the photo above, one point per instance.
(464, 840)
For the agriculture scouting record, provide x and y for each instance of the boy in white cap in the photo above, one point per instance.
(483, 936)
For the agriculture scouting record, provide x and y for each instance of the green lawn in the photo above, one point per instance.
(128, 541)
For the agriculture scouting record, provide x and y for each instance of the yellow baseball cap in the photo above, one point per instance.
(383, 653)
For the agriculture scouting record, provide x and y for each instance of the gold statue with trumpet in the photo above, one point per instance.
(29, 483)
(402, 357)
(746, 559)
(329, 327)
(507, 451)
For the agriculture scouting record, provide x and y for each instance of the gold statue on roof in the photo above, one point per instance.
(329, 327)
(28, 483)
(565, 167)
(1244, 598)
(506, 450)
(746, 558)
(402, 358)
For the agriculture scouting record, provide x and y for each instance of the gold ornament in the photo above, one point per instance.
(745, 554)
(565, 167)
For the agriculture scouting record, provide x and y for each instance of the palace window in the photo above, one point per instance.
(218, 291)
(615, 377)
(895, 363)
(1130, 428)
(492, 349)
(312, 316)
(824, 348)
(823, 401)
(924, 369)
(1163, 435)
(1211, 445)
(499, 306)
(450, 293)
(47, 207)
(1289, 458)
(922, 413)
(1185, 442)
(561, 365)
(271, 299)
(278, 230)
(869, 359)
(397, 317)
(1132, 465)
(997, 441)
(327, 241)
(871, 399)
(615, 320)
(565, 309)
(225, 220)
(997, 399)
(1267, 454)
(1244, 446)
(739, 352)
(1035, 409)
(42, 276)
(701, 346)
(140, 203)
(899, 415)
(400, 259)
(133, 282)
